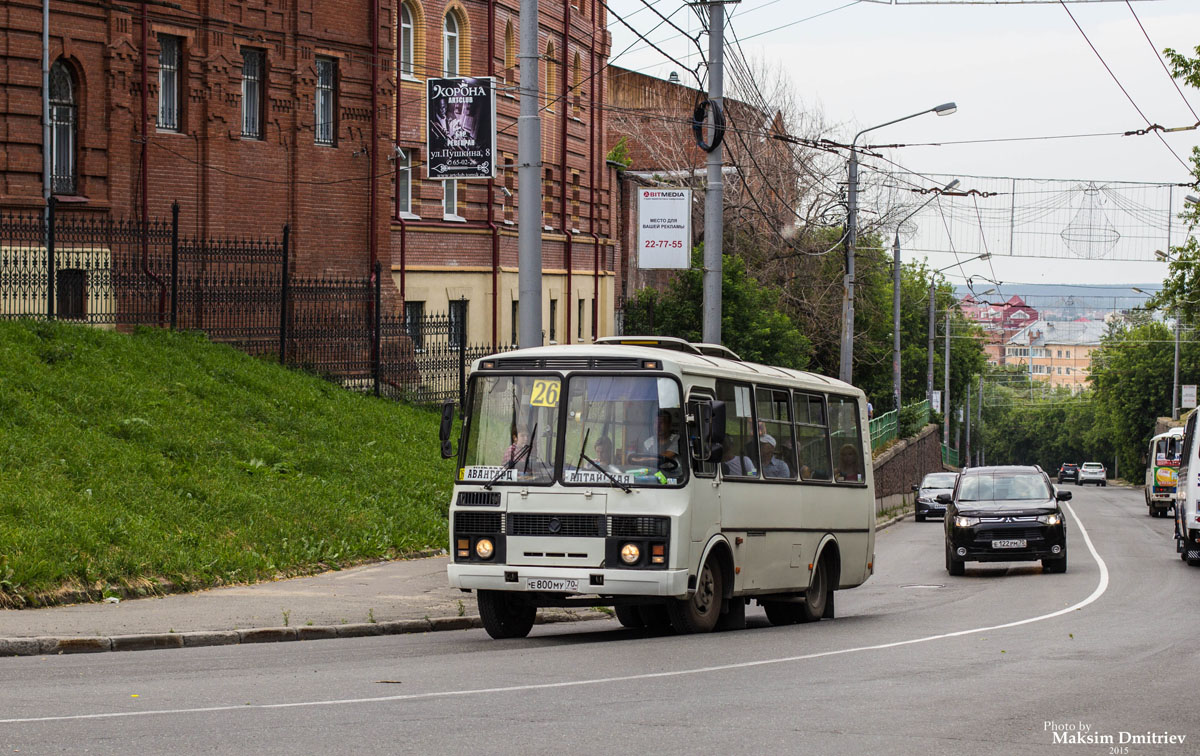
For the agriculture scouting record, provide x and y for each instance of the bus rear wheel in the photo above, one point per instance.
(505, 615)
(815, 598)
(699, 612)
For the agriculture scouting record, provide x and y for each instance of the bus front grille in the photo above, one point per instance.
(631, 526)
(477, 522)
(478, 498)
(568, 525)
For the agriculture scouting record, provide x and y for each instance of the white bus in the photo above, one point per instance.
(669, 480)
(1162, 471)
(1187, 495)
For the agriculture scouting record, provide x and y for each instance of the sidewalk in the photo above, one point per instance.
(409, 596)
(378, 599)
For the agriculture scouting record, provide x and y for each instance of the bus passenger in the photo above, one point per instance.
(848, 464)
(662, 446)
(773, 467)
(733, 463)
(604, 454)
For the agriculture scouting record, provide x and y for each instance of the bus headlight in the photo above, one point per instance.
(484, 548)
(630, 553)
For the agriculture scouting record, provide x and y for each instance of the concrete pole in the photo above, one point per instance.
(1175, 385)
(715, 191)
(966, 460)
(846, 366)
(979, 423)
(529, 177)
(932, 315)
(946, 390)
(896, 323)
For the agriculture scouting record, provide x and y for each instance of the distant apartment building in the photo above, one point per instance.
(1056, 352)
(1000, 321)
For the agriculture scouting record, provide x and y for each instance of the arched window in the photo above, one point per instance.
(63, 116)
(450, 46)
(510, 52)
(406, 40)
(550, 76)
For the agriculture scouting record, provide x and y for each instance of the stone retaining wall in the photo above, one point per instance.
(904, 464)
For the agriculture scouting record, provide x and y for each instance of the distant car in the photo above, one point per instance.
(1068, 471)
(1005, 514)
(927, 493)
(1093, 472)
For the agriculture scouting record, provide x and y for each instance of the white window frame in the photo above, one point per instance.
(450, 46)
(450, 201)
(325, 103)
(404, 179)
(407, 43)
(169, 59)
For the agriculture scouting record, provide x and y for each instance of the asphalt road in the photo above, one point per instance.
(917, 662)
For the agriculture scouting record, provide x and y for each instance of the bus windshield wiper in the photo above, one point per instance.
(623, 486)
(516, 458)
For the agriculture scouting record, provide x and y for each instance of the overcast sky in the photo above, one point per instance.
(1014, 71)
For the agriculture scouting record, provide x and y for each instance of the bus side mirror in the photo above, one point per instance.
(916, 487)
(717, 447)
(444, 431)
(700, 432)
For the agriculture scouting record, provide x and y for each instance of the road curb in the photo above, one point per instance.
(893, 521)
(51, 645)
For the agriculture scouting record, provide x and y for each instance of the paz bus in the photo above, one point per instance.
(1162, 471)
(671, 481)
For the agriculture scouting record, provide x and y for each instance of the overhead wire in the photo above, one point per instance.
(1162, 62)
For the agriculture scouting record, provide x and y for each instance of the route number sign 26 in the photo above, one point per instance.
(664, 228)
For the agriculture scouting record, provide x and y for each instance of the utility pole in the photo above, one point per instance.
(929, 367)
(896, 323)
(946, 391)
(715, 190)
(846, 363)
(1175, 385)
(966, 460)
(529, 176)
(979, 423)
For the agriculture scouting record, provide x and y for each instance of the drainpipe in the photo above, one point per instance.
(396, 212)
(372, 234)
(562, 171)
(491, 185)
(592, 129)
(145, 177)
(46, 136)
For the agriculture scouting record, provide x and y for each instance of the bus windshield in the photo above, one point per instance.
(512, 430)
(624, 430)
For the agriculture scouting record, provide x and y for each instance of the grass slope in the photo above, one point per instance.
(159, 461)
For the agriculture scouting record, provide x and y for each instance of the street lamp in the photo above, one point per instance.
(846, 370)
(896, 295)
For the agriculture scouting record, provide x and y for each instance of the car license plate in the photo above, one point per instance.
(1010, 543)
(567, 585)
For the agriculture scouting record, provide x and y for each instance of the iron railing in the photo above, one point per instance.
(242, 292)
(892, 425)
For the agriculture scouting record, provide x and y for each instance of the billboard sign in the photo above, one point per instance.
(460, 128)
(1189, 396)
(664, 228)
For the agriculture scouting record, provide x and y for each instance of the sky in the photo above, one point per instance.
(1014, 70)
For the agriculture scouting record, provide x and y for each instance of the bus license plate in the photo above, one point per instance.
(567, 585)
(1012, 543)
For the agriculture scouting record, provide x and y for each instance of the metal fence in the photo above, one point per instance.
(891, 425)
(243, 292)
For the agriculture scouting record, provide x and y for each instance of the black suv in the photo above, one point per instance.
(1005, 514)
(1068, 471)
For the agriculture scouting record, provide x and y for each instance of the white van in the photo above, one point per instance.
(1187, 496)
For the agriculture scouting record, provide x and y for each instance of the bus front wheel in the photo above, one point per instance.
(699, 612)
(629, 616)
(505, 615)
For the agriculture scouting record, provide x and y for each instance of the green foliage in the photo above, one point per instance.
(1043, 430)
(752, 324)
(910, 421)
(129, 461)
(620, 152)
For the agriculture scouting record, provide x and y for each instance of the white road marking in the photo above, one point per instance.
(1101, 587)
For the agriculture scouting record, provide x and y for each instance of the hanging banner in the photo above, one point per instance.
(1189, 396)
(460, 128)
(937, 401)
(664, 228)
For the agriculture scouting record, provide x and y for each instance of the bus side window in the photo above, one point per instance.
(812, 437)
(847, 440)
(740, 446)
(777, 448)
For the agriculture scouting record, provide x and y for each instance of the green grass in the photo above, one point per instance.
(157, 461)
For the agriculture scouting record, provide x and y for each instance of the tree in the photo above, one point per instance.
(752, 323)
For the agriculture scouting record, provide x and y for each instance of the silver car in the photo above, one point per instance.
(927, 493)
(1093, 472)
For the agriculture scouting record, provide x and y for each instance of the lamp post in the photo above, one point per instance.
(846, 370)
(896, 295)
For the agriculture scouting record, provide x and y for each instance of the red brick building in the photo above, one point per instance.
(256, 113)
